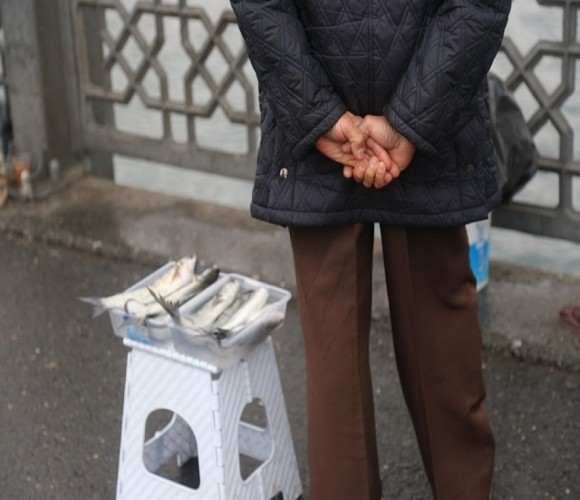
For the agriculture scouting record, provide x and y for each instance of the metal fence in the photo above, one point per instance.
(121, 61)
(559, 214)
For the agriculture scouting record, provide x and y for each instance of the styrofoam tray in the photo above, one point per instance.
(227, 352)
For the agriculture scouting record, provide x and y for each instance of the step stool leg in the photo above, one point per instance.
(153, 383)
(279, 473)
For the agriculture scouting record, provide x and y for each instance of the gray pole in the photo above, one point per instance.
(41, 80)
(23, 77)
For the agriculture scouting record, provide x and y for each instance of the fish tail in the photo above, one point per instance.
(97, 303)
(171, 309)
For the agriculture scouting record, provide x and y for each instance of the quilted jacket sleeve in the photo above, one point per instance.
(447, 69)
(298, 90)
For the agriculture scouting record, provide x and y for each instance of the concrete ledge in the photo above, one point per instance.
(519, 308)
(520, 315)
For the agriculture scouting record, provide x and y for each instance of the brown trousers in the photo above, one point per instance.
(437, 341)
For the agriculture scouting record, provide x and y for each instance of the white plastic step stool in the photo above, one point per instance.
(210, 402)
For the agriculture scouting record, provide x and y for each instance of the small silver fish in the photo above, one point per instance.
(231, 310)
(180, 274)
(213, 308)
(177, 297)
(199, 323)
(251, 308)
(248, 311)
(254, 331)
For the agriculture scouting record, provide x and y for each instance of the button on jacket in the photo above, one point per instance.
(420, 63)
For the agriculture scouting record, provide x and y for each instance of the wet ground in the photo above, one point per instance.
(62, 376)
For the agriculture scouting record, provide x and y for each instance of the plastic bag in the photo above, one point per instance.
(515, 151)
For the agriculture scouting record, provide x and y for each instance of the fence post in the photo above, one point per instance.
(91, 21)
(41, 80)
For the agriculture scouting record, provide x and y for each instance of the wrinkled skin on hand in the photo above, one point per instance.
(371, 151)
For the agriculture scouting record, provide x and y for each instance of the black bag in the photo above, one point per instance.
(515, 151)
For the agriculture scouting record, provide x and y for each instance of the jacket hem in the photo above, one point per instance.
(365, 215)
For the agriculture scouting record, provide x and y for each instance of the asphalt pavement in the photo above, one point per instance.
(62, 372)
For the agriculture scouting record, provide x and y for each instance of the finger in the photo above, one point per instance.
(379, 180)
(366, 123)
(351, 161)
(388, 178)
(369, 175)
(395, 170)
(357, 140)
(346, 148)
(380, 152)
(359, 171)
(347, 171)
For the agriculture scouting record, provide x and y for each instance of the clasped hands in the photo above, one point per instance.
(370, 150)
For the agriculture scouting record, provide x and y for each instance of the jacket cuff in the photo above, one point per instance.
(304, 147)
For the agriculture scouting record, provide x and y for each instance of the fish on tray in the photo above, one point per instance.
(248, 311)
(177, 285)
(225, 314)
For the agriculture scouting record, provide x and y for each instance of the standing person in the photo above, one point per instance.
(395, 93)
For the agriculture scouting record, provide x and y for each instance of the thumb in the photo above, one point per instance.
(347, 171)
(357, 140)
(355, 137)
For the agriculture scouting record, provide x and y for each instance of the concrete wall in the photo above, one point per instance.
(40, 73)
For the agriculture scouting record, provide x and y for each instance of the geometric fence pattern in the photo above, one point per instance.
(546, 118)
(123, 58)
(215, 74)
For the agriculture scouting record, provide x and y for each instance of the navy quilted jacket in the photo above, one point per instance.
(421, 63)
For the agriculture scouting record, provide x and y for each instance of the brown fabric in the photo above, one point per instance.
(437, 338)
